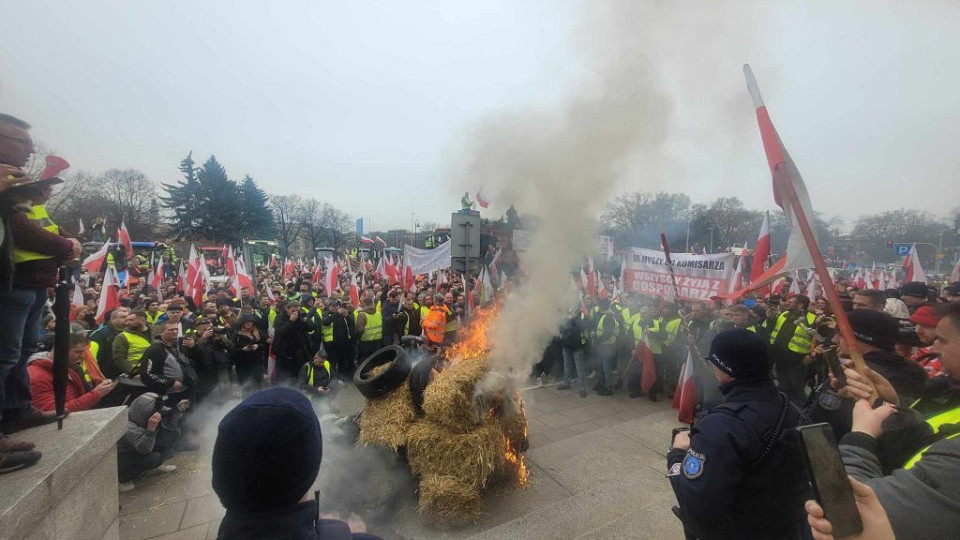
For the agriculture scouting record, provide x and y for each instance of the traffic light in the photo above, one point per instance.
(890, 244)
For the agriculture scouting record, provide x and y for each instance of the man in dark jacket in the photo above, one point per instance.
(102, 339)
(739, 472)
(266, 458)
(166, 368)
(152, 430)
(290, 344)
(340, 350)
(573, 339)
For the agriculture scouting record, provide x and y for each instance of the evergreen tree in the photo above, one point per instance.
(219, 214)
(182, 199)
(257, 218)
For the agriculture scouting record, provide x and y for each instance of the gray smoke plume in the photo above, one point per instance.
(562, 166)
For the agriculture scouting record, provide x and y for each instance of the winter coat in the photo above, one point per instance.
(906, 377)
(922, 502)
(78, 398)
(293, 523)
(344, 329)
(138, 439)
(161, 366)
(249, 358)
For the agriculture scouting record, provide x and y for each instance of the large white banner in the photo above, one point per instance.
(425, 261)
(699, 277)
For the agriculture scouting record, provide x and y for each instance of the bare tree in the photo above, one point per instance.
(336, 225)
(313, 230)
(288, 218)
(118, 195)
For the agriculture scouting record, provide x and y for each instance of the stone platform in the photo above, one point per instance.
(597, 471)
(71, 493)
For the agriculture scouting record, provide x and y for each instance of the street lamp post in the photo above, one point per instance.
(939, 251)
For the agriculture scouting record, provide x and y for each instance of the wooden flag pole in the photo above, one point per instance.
(833, 298)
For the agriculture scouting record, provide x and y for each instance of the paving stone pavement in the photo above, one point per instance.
(596, 467)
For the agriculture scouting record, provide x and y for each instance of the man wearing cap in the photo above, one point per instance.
(739, 472)
(914, 294)
(926, 328)
(876, 334)
(265, 460)
(790, 342)
(31, 253)
(952, 292)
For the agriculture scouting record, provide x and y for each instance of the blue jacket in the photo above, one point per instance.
(739, 479)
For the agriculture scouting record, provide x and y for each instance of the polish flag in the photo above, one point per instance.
(182, 276)
(366, 240)
(156, 278)
(77, 300)
(785, 175)
(94, 262)
(270, 297)
(392, 273)
(193, 268)
(289, 268)
(315, 279)
(230, 262)
(813, 286)
(761, 253)
(380, 241)
(332, 279)
(54, 165)
(912, 268)
(794, 285)
(354, 292)
(482, 201)
(648, 375)
(736, 279)
(955, 273)
(108, 296)
(410, 281)
(685, 398)
(591, 279)
(380, 271)
(583, 280)
(123, 237)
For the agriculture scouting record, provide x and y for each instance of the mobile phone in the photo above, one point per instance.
(829, 479)
(833, 363)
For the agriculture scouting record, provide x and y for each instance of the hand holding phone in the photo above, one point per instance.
(829, 479)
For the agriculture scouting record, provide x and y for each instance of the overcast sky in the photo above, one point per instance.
(366, 105)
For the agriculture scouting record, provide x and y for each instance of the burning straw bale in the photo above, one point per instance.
(385, 421)
(469, 457)
(448, 400)
(447, 502)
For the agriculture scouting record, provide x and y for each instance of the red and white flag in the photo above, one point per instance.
(123, 238)
(366, 240)
(409, 280)
(156, 279)
(736, 279)
(648, 364)
(332, 278)
(912, 268)
(270, 297)
(380, 241)
(685, 397)
(108, 296)
(94, 262)
(955, 273)
(785, 176)
(77, 300)
(761, 253)
(481, 200)
(289, 268)
(354, 292)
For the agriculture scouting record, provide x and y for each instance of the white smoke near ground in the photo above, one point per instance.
(563, 165)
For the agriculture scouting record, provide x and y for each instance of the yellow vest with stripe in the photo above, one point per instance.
(801, 340)
(612, 338)
(673, 329)
(951, 416)
(38, 215)
(373, 331)
(311, 368)
(454, 323)
(136, 344)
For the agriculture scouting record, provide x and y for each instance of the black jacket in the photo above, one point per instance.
(296, 523)
(344, 329)
(155, 358)
(738, 480)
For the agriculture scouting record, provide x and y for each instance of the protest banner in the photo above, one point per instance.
(426, 261)
(699, 277)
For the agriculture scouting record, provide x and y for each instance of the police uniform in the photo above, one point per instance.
(743, 475)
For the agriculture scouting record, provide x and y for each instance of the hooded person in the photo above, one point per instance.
(152, 430)
(265, 460)
(739, 471)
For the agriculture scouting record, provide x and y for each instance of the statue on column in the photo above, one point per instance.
(466, 202)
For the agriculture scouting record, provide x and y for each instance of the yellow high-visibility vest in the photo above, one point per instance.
(613, 335)
(311, 369)
(800, 341)
(136, 344)
(373, 331)
(38, 215)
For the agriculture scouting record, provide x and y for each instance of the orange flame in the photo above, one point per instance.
(515, 459)
(473, 340)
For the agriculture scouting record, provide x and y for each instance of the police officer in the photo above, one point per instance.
(739, 471)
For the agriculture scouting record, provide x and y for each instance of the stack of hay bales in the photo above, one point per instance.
(451, 449)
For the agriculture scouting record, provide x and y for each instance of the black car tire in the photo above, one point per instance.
(381, 384)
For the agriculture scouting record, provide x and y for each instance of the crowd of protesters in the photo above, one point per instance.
(163, 349)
